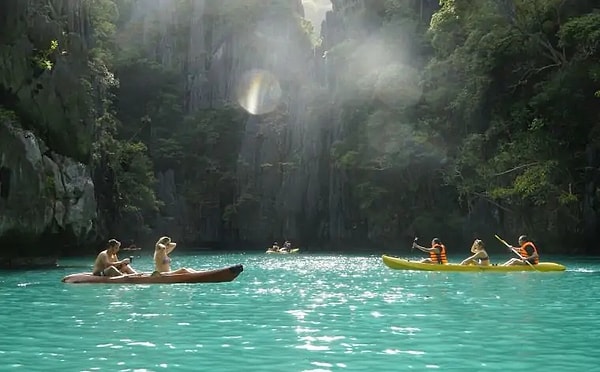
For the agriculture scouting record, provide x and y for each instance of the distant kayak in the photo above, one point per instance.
(295, 250)
(397, 263)
(131, 249)
(226, 274)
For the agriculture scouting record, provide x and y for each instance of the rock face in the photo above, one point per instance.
(54, 101)
(47, 122)
(288, 187)
(287, 184)
(41, 193)
(280, 165)
(288, 165)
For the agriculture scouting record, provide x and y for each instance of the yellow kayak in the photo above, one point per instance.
(295, 250)
(397, 263)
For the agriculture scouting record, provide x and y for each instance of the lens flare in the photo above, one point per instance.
(258, 92)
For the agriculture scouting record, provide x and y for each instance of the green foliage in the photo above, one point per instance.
(50, 186)
(168, 152)
(517, 84)
(134, 178)
(581, 32)
(349, 159)
(369, 194)
(210, 140)
(308, 28)
(43, 59)
(150, 100)
(388, 149)
(8, 115)
(244, 201)
(494, 103)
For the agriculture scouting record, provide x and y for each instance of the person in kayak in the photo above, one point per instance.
(108, 264)
(479, 257)
(274, 248)
(162, 261)
(287, 246)
(527, 252)
(131, 247)
(437, 252)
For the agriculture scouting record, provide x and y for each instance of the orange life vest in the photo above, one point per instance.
(523, 251)
(439, 257)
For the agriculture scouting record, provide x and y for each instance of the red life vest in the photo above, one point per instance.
(439, 257)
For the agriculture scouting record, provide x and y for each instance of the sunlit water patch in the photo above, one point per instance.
(303, 313)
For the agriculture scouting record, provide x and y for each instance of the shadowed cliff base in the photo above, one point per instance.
(29, 251)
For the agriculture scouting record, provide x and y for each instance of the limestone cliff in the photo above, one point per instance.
(43, 195)
(254, 54)
(217, 48)
(43, 85)
(46, 127)
(287, 184)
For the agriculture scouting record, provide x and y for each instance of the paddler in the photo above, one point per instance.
(437, 252)
(108, 264)
(527, 252)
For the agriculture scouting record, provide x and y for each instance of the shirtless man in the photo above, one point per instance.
(108, 264)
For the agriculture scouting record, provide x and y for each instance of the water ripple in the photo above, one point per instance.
(304, 313)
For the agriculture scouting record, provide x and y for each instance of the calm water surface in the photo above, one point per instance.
(303, 313)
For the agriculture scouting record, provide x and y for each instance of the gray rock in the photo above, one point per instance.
(46, 193)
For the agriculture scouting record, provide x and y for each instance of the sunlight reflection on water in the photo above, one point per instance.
(300, 313)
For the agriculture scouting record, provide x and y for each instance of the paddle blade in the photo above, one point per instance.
(413, 244)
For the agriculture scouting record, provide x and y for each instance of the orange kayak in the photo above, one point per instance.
(226, 274)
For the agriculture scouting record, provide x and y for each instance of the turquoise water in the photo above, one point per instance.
(303, 313)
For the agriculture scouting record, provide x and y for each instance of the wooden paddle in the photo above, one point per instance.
(515, 251)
